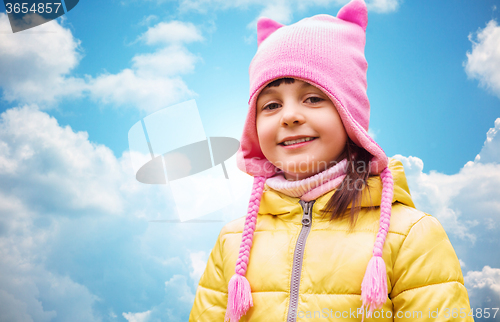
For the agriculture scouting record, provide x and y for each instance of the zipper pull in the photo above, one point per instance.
(307, 206)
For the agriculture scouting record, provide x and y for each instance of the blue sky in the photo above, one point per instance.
(77, 240)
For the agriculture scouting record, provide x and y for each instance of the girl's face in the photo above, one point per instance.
(296, 111)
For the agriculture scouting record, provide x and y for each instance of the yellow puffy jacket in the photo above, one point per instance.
(424, 279)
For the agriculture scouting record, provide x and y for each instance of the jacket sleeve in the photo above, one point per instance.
(428, 284)
(211, 295)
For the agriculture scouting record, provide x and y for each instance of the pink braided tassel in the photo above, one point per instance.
(239, 298)
(374, 285)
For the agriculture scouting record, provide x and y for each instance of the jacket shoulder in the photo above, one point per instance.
(235, 226)
(424, 247)
(404, 217)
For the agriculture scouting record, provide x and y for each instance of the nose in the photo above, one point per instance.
(292, 115)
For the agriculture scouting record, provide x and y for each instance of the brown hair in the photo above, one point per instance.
(350, 191)
(277, 82)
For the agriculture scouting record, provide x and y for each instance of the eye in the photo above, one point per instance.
(315, 99)
(270, 106)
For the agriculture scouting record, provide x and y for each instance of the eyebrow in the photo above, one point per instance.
(272, 90)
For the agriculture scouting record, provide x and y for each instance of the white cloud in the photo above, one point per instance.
(50, 176)
(172, 32)
(18, 311)
(280, 11)
(434, 194)
(36, 68)
(177, 295)
(32, 142)
(169, 61)
(488, 277)
(490, 153)
(28, 291)
(456, 200)
(484, 288)
(129, 88)
(137, 317)
(383, 6)
(483, 63)
(153, 81)
(146, 21)
(73, 224)
(35, 144)
(198, 265)
(178, 287)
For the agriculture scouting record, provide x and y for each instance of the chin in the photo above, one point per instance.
(302, 175)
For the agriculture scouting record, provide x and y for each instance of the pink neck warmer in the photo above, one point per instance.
(310, 188)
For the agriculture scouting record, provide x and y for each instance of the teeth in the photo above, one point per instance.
(297, 141)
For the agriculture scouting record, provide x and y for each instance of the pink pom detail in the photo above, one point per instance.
(374, 286)
(239, 298)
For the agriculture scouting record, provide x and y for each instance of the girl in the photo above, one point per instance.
(331, 231)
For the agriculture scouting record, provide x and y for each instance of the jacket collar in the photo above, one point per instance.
(276, 203)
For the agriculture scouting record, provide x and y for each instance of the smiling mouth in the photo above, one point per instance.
(301, 140)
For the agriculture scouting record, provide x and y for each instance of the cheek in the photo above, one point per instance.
(334, 129)
(338, 135)
(264, 133)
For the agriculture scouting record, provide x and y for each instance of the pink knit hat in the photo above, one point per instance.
(327, 52)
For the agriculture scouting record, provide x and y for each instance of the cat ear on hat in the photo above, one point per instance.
(355, 12)
(265, 27)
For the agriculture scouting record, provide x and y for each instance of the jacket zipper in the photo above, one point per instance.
(297, 259)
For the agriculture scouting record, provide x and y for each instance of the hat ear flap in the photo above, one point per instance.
(356, 12)
(265, 27)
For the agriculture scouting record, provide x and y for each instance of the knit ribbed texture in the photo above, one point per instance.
(310, 188)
